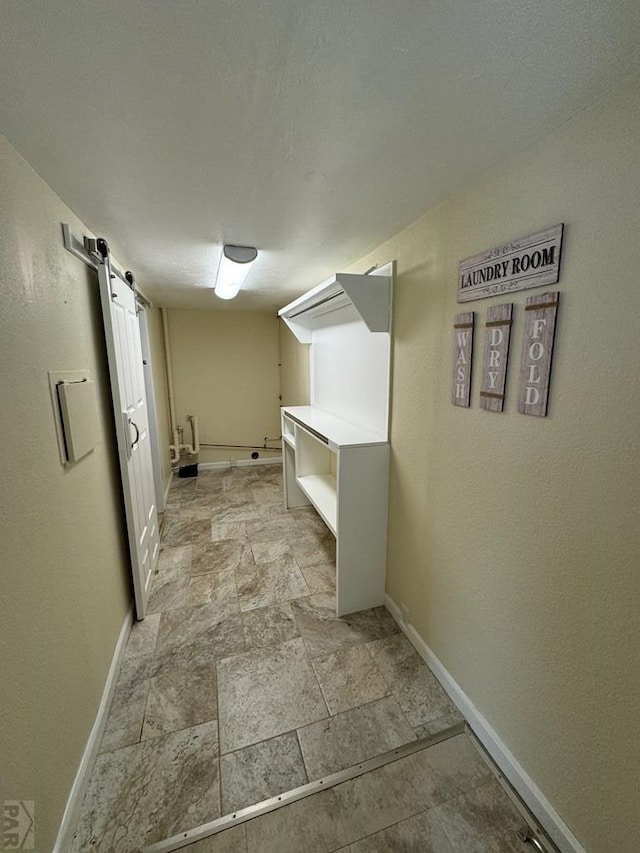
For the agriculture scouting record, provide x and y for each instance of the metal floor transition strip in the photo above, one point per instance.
(532, 832)
(183, 839)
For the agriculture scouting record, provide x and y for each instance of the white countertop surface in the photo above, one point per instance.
(339, 433)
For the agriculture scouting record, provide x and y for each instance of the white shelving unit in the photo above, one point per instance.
(343, 473)
(336, 451)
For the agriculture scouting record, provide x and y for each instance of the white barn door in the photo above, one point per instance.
(122, 334)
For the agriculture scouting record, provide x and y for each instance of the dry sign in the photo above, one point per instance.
(531, 261)
(496, 353)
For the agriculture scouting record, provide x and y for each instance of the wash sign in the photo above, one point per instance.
(531, 261)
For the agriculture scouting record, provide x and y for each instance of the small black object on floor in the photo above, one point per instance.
(188, 470)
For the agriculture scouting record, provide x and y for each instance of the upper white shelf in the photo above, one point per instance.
(370, 295)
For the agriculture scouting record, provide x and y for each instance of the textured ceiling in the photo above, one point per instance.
(312, 130)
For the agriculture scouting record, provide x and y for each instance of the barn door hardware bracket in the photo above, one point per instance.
(93, 251)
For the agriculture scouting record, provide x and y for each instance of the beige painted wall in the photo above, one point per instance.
(294, 370)
(159, 367)
(65, 586)
(514, 540)
(225, 370)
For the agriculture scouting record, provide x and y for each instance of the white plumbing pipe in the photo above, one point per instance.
(194, 447)
(174, 449)
(195, 434)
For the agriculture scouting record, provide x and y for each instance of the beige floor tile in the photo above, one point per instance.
(126, 712)
(270, 552)
(261, 771)
(448, 769)
(354, 736)
(174, 559)
(169, 592)
(267, 493)
(171, 584)
(232, 840)
(199, 632)
(482, 820)
(271, 529)
(196, 511)
(273, 511)
(309, 521)
(194, 502)
(217, 588)
(269, 626)
(325, 633)
(311, 825)
(321, 577)
(380, 799)
(387, 620)
(417, 690)
(232, 530)
(218, 556)
(269, 583)
(411, 785)
(265, 693)
(182, 489)
(433, 727)
(349, 677)
(209, 483)
(243, 509)
(187, 533)
(142, 639)
(137, 794)
(422, 833)
(180, 698)
(311, 549)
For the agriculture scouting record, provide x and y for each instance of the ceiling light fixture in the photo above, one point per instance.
(235, 264)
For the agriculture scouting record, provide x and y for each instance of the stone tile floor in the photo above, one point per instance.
(242, 683)
(442, 799)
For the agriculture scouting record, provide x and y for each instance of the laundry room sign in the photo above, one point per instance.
(531, 261)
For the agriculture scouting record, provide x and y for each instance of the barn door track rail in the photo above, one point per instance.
(90, 251)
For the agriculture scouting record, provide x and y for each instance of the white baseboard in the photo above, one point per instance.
(240, 463)
(513, 771)
(69, 818)
(264, 460)
(168, 489)
(213, 466)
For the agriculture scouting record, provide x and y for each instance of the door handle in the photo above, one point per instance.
(526, 835)
(137, 438)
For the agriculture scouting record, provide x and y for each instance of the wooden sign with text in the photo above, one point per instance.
(537, 350)
(462, 352)
(496, 353)
(531, 261)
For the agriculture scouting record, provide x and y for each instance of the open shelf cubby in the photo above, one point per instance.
(316, 474)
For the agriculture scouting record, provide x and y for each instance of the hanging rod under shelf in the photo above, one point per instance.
(316, 304)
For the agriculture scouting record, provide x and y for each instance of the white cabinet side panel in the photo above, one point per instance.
(363, 500)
